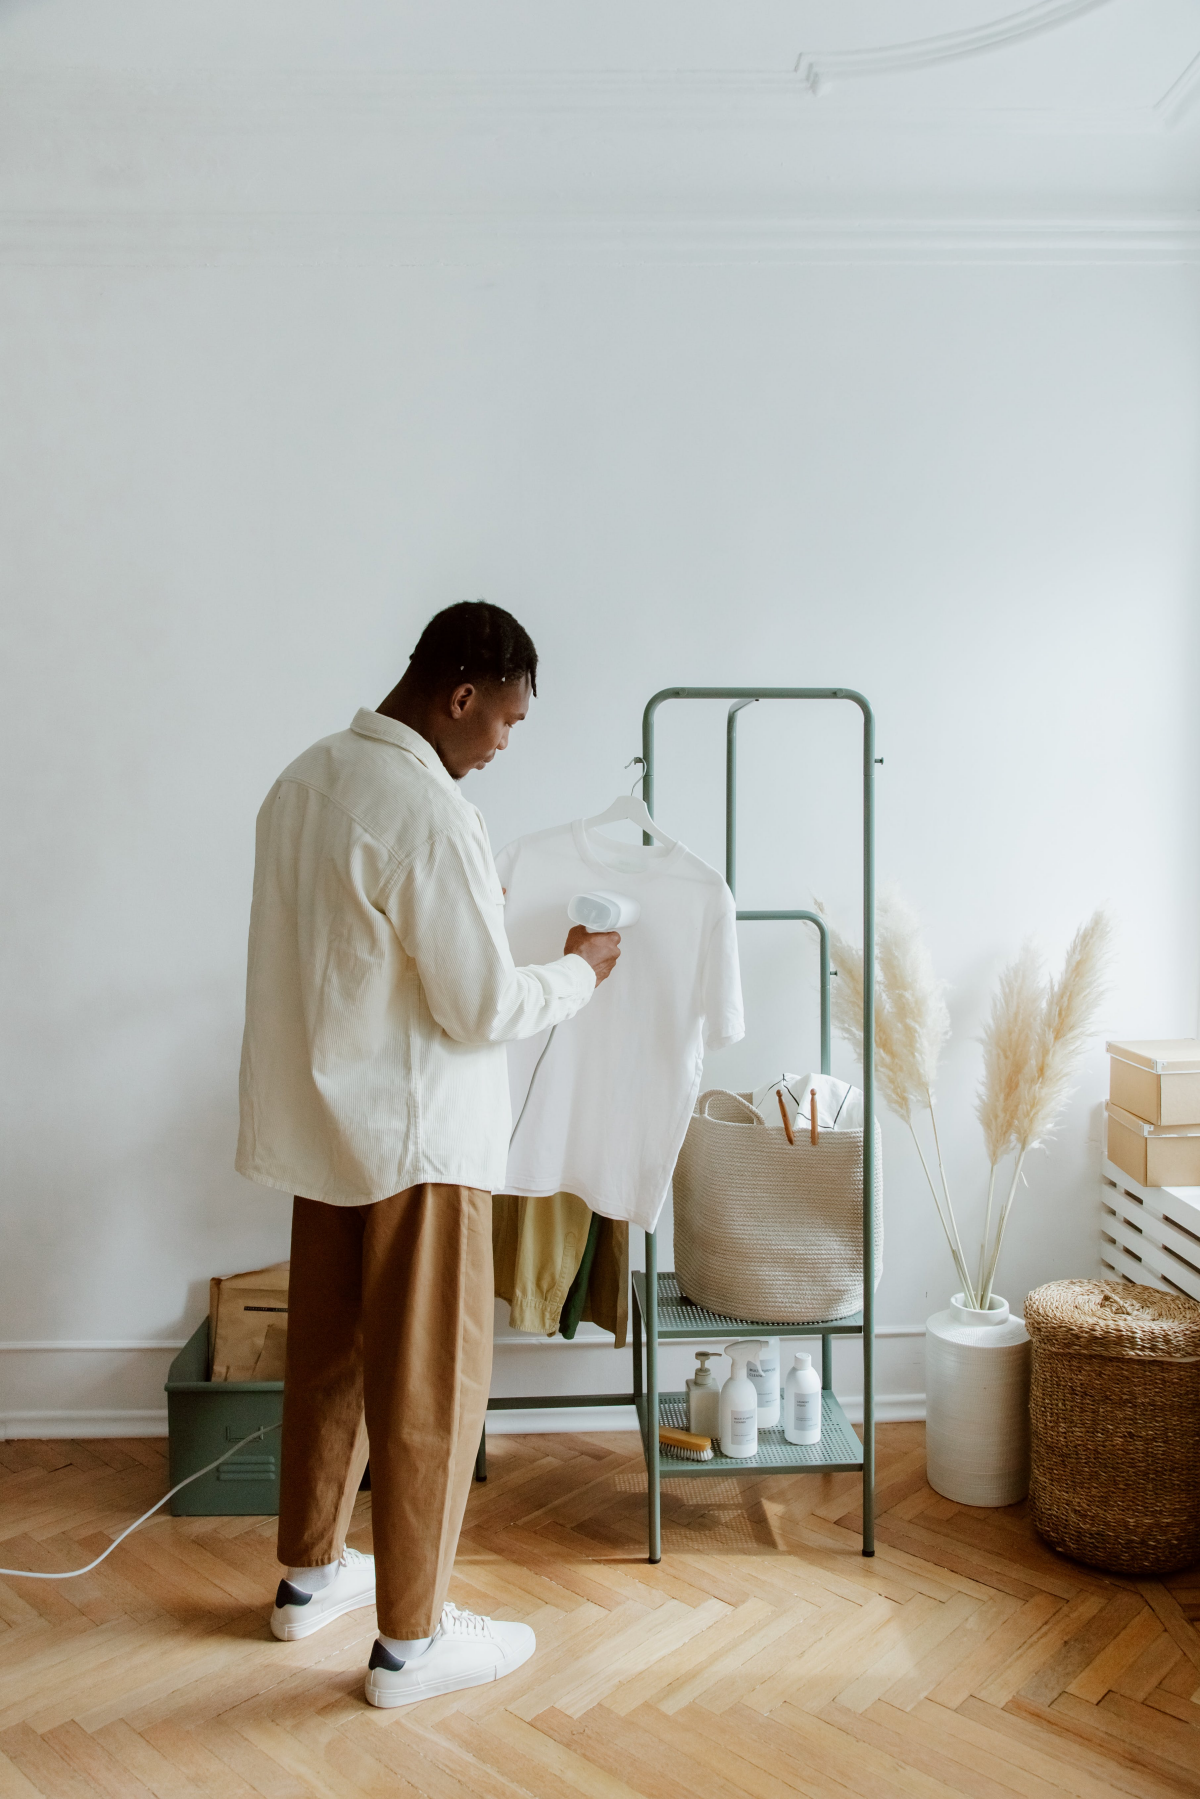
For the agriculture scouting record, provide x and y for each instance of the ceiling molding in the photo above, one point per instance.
(112, 113)
(819, 69)
(164, 241)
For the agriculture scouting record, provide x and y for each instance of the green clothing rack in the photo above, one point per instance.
(660, 1311)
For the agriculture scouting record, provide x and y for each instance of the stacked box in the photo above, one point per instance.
(1154, 1111)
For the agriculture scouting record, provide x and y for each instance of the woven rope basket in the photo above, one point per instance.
(765, 1229)
(1115, 1418)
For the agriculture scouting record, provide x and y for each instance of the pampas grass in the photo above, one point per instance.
(911, 1020)
(1009, 1042)
(1032, 1041)
(1042, 1088)
(1010, 1039)
(911, 1029)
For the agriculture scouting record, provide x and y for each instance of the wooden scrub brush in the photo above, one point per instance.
(685, 1443)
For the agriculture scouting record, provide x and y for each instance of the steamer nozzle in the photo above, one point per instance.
(601, 910)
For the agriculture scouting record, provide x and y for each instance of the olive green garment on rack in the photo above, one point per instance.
(537, 1247)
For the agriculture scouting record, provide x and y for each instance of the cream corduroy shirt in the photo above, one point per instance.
(380, 989)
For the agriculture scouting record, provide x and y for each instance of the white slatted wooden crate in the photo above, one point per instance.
(1150, 1234)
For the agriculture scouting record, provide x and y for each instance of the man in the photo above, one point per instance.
(380, 994)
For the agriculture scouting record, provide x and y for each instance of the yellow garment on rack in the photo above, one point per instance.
(537, 1246)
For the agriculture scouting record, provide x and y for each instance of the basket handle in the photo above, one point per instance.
(728, 1108)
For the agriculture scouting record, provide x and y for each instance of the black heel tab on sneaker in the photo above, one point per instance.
(290, 1595)
(383, 1658)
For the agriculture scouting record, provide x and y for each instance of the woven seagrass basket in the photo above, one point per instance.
(1115, 1422)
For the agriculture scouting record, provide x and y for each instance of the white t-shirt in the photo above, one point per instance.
(611, 1103)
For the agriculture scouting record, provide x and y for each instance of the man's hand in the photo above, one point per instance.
(599, 949)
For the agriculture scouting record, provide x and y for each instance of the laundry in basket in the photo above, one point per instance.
(839, 1105)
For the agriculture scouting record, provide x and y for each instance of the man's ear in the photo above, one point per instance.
(460, 699)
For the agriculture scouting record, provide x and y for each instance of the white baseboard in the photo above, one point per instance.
(890, 1408)
(564, 1419)
(15, 1425)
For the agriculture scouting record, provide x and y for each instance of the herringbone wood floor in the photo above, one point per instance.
(763, 1657)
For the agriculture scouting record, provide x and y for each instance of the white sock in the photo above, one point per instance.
(405, 1649)
(312, 1580)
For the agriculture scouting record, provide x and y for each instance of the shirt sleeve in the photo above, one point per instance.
(447, 909)
(721, 982)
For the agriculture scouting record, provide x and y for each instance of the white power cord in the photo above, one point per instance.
(533, 1077)
(73, 1573)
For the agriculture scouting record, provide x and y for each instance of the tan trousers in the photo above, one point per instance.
(389, 1344)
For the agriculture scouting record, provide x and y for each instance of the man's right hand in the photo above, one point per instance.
(599, 949)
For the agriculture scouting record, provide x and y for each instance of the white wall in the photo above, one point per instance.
(231, 494)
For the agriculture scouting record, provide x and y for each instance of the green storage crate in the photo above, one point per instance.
(204, 1417)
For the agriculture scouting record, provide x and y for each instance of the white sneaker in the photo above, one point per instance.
(298, 1614)
(466, 1651)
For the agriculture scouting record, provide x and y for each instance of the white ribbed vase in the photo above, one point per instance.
(977, 1404)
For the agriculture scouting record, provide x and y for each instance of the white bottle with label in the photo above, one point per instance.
(802, 1402)
(763, 1371)
(704, 1397)
(739, 1404)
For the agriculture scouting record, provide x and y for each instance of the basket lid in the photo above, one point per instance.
(1114, 1318)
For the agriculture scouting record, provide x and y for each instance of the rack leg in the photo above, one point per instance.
(481, 1456)
(653, 1494)
(827, 1364)
(868, 1532)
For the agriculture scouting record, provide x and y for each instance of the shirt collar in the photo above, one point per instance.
(390, 730)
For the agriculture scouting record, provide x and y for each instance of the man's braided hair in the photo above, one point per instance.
(473, 641)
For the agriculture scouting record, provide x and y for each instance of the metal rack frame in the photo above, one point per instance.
(657, 1304)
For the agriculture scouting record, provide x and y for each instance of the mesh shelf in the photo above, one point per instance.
(838, 1450)
(681, 1320)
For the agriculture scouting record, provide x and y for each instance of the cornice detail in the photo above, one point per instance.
(290, 104)
(142, 239)
(819, 69)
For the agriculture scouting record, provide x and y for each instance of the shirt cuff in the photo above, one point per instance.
(581, 974)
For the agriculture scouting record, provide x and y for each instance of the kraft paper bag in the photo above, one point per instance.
(247, 1324)
(273, 1354)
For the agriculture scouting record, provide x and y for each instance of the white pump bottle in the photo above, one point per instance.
(739, 1404)
(763, 1371)
(802, 1403)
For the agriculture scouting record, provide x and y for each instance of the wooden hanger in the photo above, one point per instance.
(629, 807)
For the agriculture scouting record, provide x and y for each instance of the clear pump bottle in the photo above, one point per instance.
(704, 1397)
(763, 1371)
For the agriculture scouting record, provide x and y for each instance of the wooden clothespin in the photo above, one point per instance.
(814, 1134)
(783, 1114)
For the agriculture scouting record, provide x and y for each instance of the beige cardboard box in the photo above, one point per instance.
(247, 1324)
(1157, 1079)
(1155, 1155)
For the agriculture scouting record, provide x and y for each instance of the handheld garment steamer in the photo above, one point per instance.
(601, 910)
(598, 910)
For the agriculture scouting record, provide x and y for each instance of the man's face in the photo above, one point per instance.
(481, 716)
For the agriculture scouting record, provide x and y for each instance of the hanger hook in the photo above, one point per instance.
(641, 763)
